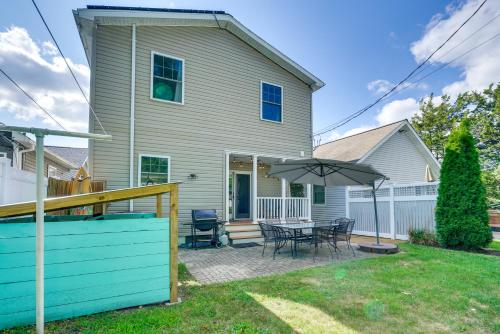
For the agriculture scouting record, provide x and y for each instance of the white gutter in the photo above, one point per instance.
(20, 154)
(132, 118)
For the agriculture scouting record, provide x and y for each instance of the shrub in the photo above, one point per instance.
(422, 237)
(461, 210)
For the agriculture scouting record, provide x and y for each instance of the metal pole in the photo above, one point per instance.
(374, 192)
(40, 195)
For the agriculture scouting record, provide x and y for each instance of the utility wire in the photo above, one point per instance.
(463, 41)
(69, 68)
(452, 61)
(363, 110)
(32, 99)
(444, 65)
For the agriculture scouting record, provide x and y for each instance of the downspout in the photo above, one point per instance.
(132, 118)
(20, 155)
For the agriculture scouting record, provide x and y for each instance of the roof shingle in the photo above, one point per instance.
(354, 147)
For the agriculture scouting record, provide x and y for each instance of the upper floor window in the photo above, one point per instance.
(167, 78)
(153, 169)
(271, 108)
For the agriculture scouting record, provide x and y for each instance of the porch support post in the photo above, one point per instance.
(309, 201)
(226, 186)
(283, 199)
(254, 188)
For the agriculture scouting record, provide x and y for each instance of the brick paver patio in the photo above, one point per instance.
(212, 265)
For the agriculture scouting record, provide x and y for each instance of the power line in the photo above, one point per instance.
(453, 60)
(32, 99)
(69, 68)
(363, 110)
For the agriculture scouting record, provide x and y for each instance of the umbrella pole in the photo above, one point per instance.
(39, 233)
(374, 192)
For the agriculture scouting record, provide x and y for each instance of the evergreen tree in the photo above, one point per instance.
(461, 211)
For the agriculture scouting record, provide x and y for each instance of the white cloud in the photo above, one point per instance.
(381, 86)
(480, 67)
(397, 110)
(394, 111)
(39, 70)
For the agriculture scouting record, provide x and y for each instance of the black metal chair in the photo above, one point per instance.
(344, 232)
(205, 220)
(280, 237)
(267, 232)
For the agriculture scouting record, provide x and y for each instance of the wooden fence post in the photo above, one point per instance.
(159, 210)
(174, 232)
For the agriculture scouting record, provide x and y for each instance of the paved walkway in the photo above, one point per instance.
(226, 264)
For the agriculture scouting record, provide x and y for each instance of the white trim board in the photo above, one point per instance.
(85, 18)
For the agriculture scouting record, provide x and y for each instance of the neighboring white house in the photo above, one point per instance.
(18, 165)
(395, 150)
(194, 96)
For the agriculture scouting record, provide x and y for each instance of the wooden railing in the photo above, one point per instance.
(67, 202)
(271, 208)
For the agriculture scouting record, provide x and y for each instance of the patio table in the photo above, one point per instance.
(295, 228)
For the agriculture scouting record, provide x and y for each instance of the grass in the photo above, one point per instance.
(421, 290)
(495, 244)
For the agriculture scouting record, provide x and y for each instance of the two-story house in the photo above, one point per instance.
(195, 97)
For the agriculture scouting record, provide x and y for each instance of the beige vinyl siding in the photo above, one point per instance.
(334, 206)
(111, 100)
(400, 159)
(221, 111)
(29, 164)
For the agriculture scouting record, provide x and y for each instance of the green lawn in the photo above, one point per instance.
(495, 244)
(421, 290)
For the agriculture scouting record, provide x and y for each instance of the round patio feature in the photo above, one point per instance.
(379, 248)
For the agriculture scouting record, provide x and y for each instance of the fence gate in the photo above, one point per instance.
(400, 207)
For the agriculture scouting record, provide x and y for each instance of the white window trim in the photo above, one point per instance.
(53, 168)
(282, 101)
(139, 165)
(151, 74)
(312, 199)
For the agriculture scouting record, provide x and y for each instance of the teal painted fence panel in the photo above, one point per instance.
(90, 266)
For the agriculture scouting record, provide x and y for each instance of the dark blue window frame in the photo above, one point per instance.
(271, 102)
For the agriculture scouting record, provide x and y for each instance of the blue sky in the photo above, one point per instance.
(351, 45)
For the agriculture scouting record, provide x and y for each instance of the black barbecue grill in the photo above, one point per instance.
(205, 220)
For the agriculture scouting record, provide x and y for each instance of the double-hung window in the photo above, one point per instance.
(318, 194)
(52, 171)
(271, 108)
(167, 78)
(153, 169)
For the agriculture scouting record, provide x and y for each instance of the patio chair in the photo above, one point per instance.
(267, 232)
(344, 232)
(281, 238)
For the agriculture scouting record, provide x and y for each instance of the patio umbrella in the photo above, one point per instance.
(326, 173)
(331, 173)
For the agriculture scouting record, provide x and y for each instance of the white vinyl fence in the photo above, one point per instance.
(400, 207)
(16, 185)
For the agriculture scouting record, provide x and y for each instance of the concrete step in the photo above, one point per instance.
(246, 240)
(244, 233)
(241, 228)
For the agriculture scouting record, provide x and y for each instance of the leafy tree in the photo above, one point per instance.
(461, 210)
(437, 119)
(434, 124)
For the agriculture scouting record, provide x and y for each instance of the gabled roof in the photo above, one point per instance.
(355, 147)
(87, 18)
(358, 147)
(75, 155)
